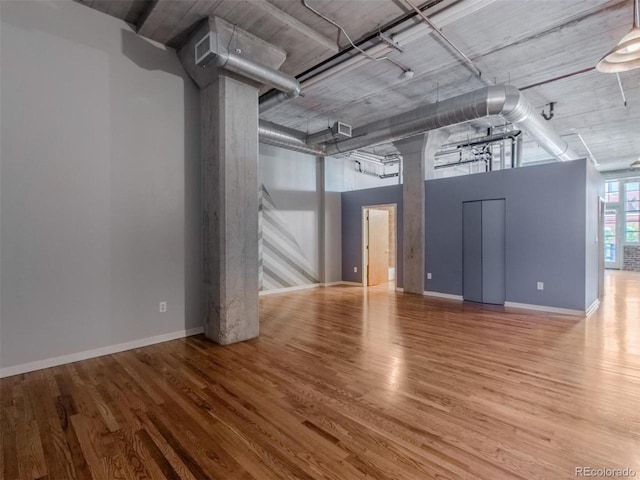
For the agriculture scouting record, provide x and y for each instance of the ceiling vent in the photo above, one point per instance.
(341, 130)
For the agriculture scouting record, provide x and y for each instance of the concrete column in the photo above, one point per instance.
(320, 192)
(229, 110)
(418, 157)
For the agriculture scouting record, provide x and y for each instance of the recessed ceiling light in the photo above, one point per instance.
(625, 55)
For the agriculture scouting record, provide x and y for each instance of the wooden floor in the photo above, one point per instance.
(343, 385)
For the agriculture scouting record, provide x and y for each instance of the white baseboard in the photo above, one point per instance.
(263, 293)
(443, 295)
(97, 352)
(544, 308)
(593, 307)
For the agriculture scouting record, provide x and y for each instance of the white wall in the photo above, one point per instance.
(343, 177)
(291, 179)
(100, 189)
(294, 181)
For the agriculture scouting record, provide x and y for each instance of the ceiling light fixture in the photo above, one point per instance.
(635, 164)
(625, 55)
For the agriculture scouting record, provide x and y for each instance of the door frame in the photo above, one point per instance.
(617, 265)
(365, 242)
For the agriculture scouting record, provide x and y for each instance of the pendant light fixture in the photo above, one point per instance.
(626, 54)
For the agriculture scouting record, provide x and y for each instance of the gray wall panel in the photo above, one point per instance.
(493, 251)
(352, 203)
(545, 225)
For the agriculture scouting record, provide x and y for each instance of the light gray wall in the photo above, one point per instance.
(291, 180)
(333, 178)
(294, 182)
(100, 187)
(345, 178)
(594, 191)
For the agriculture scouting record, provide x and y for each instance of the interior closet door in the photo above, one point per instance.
(472, 251)
(483, 257)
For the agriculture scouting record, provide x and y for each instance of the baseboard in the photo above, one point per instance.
(544, 308)
(97, 352)
(333, 284)
(399, 289)
(593, 307)
(263, 293)
(443, 295)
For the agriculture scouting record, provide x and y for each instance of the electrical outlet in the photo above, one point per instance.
(163, 307)
(428, 276)
(355, 269)
(540, 285)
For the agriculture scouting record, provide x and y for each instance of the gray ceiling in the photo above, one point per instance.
(511, 41)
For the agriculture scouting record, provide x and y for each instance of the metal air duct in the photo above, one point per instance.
(502, 100)
(210, 51)
(288, 138)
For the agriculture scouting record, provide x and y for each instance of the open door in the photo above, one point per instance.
(378, 247)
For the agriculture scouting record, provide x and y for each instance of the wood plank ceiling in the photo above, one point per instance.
(511, 41)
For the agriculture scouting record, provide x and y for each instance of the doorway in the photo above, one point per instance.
(612, 237)
(379, 252)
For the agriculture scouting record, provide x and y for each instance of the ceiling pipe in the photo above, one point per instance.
(210, 51)
(441, 14)
(288, 138)
(288, 85)
(497, 137)
(446, 40)
(502, 100)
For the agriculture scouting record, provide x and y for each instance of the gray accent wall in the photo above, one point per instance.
(545, 231)
(100, 187)
(352, 203)
(548, 237)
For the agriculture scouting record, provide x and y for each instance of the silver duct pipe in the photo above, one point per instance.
(258, 72)
(503, 100)
(288, 138)
(272, 100)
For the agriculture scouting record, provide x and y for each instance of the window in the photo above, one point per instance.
(632, 212)
(612, 192)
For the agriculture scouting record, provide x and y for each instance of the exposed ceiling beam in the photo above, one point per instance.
(296, 24)
(157, 11)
